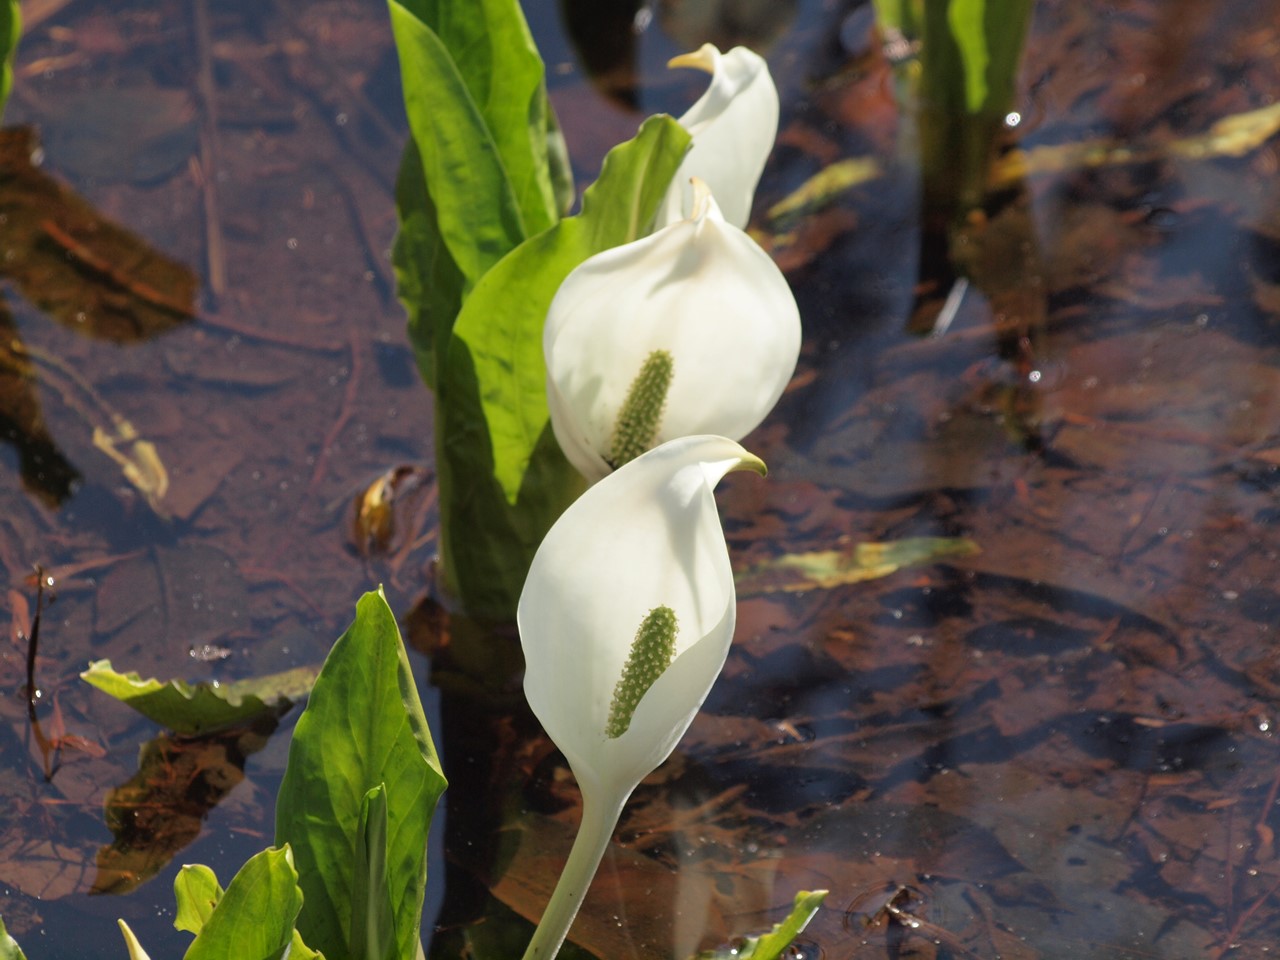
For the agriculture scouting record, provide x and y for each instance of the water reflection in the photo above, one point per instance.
(1061, 746)
(94, 278)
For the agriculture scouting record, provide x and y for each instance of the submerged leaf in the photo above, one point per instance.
(824, 569)
(85, 271)
(192, 709)
(45, 470)
(141, 465)
(162, 808)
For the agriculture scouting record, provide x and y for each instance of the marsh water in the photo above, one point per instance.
(1050, 734)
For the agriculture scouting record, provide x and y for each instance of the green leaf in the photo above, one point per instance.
(298, 950)
(477, 210)
(193, 709)
(197, 892)
(428, 281)
(494, 54)
(372, 923)
(10, 30)
(9, 949)
(503, 480)
(254, 918)
(472, 71)
(363, 727)
(769, 946)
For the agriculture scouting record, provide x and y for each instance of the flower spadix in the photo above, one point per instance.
(626, 618)
(733, 124)
(690, 330)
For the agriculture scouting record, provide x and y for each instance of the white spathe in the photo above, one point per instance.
(700, 289)
(647, 536)
(734, 125)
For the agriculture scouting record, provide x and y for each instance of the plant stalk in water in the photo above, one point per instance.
(594, 834)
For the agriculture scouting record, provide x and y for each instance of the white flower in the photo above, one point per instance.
(642, 552)
(697, 308)
(734, 125)
(648, 537)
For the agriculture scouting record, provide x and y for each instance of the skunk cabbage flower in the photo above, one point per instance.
(734, 125)
(690, 330)
(625, 620)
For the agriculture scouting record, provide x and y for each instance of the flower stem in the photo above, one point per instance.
(594, 834)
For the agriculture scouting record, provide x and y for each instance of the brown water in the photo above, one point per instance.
(1062, 746)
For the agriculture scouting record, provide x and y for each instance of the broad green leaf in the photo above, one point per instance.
(163, 806)
(490, 44)
(192, 709)
(477, 210)
(826, 569)
(254, 918)
(131, 943)
(502, 477)
(9, 949)
(428, 281)
(490, 87)
(10, 30)
(363, 727)
(372, 923)
(196, 891)
(487, 543)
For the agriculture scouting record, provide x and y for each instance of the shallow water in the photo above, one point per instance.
(1061, 746)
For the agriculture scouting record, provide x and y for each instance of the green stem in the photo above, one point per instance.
(594, 834)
